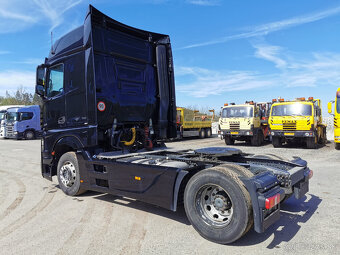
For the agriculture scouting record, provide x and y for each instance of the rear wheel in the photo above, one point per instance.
(229, 140)
(218, 205)
(312, 142)
(208, 132)
(202, 133)
(277, 142)
(68, 174)
(255, 139)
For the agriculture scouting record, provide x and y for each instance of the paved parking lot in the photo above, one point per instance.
(37, 218)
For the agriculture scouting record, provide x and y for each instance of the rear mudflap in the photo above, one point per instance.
(261, 187)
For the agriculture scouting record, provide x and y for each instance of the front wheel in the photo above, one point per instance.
(68, 174)
(229, 140)
(218, 205)
(29, 135)
(277, 142)
(312, 142)
(337, 146)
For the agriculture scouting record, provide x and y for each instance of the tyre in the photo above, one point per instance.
(29, 135)
(277, 142)
(261, 138)
(337, 146)
(68, 174)
(229, 140)
(208, 132)
(218, 205)
(255, 140)
(202, 133)
(312, 142)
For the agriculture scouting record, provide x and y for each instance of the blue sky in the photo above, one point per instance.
(224, 51)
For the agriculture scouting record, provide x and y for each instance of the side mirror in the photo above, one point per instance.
(329, 106)
(40, 90)
(40, 80)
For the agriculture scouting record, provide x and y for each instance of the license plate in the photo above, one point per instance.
(289, 133)
(234, 133)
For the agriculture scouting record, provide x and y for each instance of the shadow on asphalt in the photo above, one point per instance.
(289, 224)
(294, 213)
(178, 216)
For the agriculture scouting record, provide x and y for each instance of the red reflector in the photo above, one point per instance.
(272, 201)
(310, 174)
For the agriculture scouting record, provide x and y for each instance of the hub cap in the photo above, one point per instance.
(68, 174)
(214, 204)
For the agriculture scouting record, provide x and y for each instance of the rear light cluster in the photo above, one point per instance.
(310, 174)
(272, 201)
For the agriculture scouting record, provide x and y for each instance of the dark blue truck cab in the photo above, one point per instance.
(109, 102)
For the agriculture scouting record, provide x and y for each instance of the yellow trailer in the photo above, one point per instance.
(192, 123)
(336, 118)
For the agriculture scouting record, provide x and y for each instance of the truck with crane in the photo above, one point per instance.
(193, 123)
(245, 122)
(336, 115)
(297, 120)
(108, 103)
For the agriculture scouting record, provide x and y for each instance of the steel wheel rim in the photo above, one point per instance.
(29, 135)
(215, 205)
(68, 174)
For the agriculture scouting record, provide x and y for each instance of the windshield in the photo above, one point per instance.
(237, 111)
(12, 116)
(2, 115)
(296, 109)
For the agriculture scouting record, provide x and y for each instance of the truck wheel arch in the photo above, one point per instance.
(63, 145)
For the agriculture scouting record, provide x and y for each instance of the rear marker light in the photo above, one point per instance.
(272, 201)
(310, 174)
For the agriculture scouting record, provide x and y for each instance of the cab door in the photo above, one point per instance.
(54, 107)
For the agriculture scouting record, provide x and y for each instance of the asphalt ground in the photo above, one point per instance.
(37, 218)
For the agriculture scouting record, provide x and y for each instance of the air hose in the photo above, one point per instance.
(128, 143)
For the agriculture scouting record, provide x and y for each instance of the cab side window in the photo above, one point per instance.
(26, 115)
(55, 81)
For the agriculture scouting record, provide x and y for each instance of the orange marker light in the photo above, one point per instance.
(137, 178)
(274, 100)
(226, 104)
(310, 98)
(53, 153)
(281, 100)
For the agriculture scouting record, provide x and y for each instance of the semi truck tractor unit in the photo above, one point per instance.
(23, 122)
(192, 123)
(3, 111)
(336, 115)
(109, 100)
(297, 120)
(245, 122)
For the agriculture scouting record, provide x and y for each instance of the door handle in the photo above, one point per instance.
(61, 120)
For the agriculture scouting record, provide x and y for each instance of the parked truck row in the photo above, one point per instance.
(20, 121)
(108, 103)
(280, 121)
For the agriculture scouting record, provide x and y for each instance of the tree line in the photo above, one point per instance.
(20, 97)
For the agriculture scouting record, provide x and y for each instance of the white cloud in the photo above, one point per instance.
(270, 53)
(292, 70)
(17, 15)
(268, 28)
(204, 82)
(4, 52)
(10, 80)
(204, 2)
